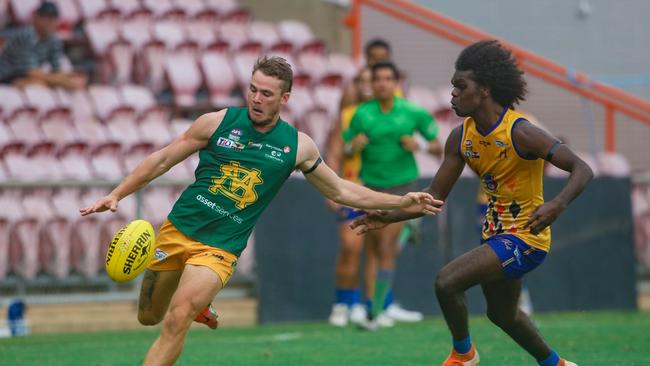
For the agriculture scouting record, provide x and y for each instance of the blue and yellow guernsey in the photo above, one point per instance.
(239, 173)
(511, 182)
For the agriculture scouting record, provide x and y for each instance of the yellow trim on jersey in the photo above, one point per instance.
(512, 183)
(351, 164)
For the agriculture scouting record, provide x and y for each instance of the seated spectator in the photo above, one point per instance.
(28, 49)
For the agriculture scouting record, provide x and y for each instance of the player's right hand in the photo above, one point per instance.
(359, 142)
(372, 220)
(105, 203)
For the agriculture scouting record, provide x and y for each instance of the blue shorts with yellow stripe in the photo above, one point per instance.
(517, 258)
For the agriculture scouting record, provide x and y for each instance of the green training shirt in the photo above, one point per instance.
(384, 162)
(239, 173)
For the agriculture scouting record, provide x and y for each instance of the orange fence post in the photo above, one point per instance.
(353, 21)
(610, 129)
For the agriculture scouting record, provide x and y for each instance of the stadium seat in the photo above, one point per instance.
(22, 9)
(223, 7)
(159, 8)
(172, 34)
(137, 31)
(185, 78)
(243, 64)
(265, 34)
(44, 162)
(314, 64)
(316, 123)
(301, 101)
(4, 247)
(84, 239)
(127, 7)
(191, 7)
(220, 79)
(142, 101)
(153, 58)
(328, 97)
(6, 136)
(107, 161)
(96, 9)
(14, 106)
(108, 102)
(201, 32)
(26, 130)
(74, 162)
(101, 34)
(156, 204)
(343, 65)
(54, 246)
(45, 101)
(236, 34)
(135, 154)
(613, 164)
(298, 34)
(17, 163)
(23, 235)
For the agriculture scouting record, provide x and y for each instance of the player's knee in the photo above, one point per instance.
(444, 284)
(501, 319)
(179, 318)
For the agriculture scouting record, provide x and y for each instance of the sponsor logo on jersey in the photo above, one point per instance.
(286, 149)
(159, 254)
(233, 137)
(254, 145)
(500, 143)
(484, 143)
(230, 144)
(489, 182)
(237, 183)
(468, 143)
(236, 131)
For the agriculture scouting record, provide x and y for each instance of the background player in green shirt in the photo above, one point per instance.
(241, 167)
(383, 129)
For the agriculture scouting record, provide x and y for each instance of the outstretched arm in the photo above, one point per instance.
(536, 143)
(159, 162)
(350, 194)
(450, 169)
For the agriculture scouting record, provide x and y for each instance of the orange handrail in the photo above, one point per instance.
(611, 98)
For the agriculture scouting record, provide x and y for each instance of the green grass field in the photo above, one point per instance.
(590, 339)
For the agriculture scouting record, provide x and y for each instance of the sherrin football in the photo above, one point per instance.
(130, 251)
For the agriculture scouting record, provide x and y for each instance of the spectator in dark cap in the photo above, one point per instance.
(29, 49)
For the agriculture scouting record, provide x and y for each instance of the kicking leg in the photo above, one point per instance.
(198, 286)
(156, 292)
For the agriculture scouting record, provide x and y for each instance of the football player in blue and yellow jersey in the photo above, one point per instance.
(507, 152)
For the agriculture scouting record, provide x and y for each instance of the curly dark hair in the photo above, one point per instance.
(494, 67)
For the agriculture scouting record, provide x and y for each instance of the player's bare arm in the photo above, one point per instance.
(347, 193)
(534, 142)
(450, 169)
(158, 163)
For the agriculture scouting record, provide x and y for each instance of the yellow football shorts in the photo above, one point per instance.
(174, 250)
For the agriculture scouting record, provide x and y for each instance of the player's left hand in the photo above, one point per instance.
(420, 202)
(409, 143)
(543, 216)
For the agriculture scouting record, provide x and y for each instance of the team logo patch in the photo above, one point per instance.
(490, 183)
(468, 143)
(237, 183)
(236, 131)
(159, 254)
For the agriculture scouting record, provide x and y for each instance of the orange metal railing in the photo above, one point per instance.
(612, 99)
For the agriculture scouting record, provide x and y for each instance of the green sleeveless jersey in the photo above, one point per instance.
(239, 173)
